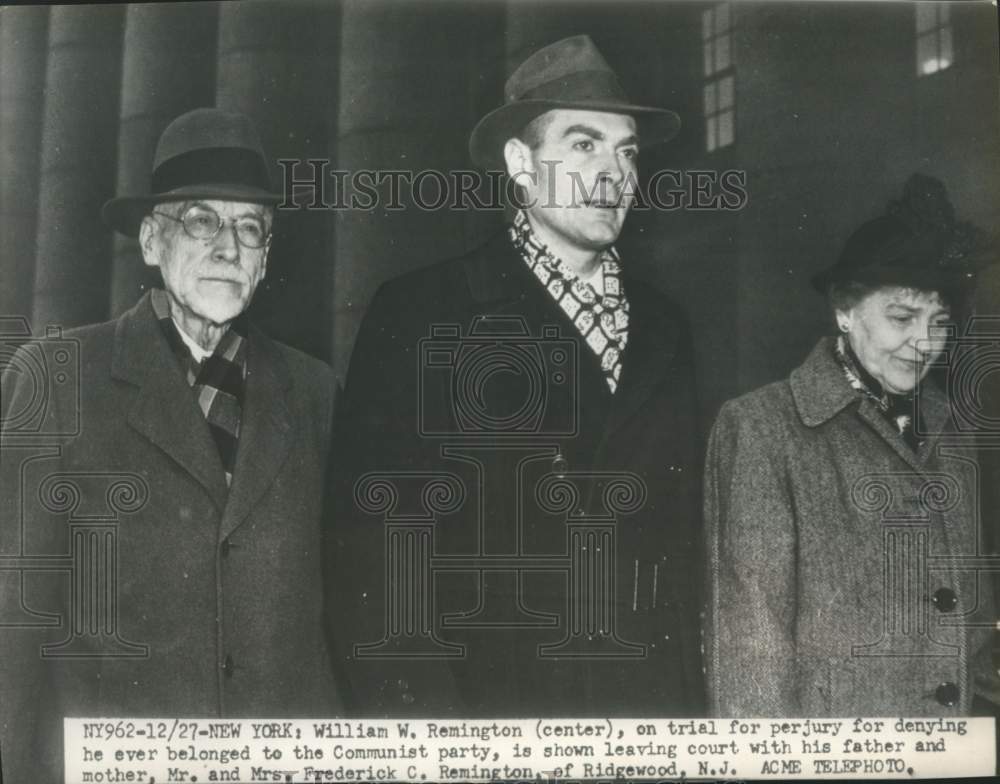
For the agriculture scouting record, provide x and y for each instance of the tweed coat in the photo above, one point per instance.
(398, 415)
(834, 585)
(221, 590)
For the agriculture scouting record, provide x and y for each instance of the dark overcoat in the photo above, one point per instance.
(218, 593)
(468, 370)
(842, 564)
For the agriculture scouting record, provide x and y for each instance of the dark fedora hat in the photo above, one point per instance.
(203, 154)
(916, 243)
(569, 74)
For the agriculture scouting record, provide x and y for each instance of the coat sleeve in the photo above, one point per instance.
(30, 707)
(751, 542)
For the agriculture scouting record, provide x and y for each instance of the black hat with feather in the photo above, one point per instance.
(917, 243)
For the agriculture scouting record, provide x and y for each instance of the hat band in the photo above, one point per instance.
(230, 165)
(579, 86)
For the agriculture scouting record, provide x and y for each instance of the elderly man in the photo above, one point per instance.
(518, 500)
(204, 443)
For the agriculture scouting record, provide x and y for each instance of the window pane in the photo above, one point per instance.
(706, 23)
(721, 18)
(710, 101)
(726, 89)
(722, 52)
(726, 130)
(927, 54)
(709, 49)
(710, 133)
(945, 54)
(926, 16)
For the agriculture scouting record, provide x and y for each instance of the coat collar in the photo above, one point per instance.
(500, 280)
(820, 392)
(497, 276)
(653, 343)
(168, 415)
(818, 386)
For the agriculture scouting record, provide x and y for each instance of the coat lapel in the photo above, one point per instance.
(165, 411)
(869, 412)
(265, 432)
(934, 420)
(652, 342)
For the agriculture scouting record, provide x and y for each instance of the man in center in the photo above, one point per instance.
(516, 502)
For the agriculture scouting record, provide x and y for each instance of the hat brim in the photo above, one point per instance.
(653, 125)
(125, 213)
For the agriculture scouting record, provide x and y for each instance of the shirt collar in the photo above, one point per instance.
(200, 354)
(536, 252)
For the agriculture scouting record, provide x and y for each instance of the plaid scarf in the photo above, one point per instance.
(897, 409)
(601, 319)
(218, 381)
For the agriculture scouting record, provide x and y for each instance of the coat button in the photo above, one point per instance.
(228, 666)
(945, 599)
(224, 548)
(560, 465)
(947, 694)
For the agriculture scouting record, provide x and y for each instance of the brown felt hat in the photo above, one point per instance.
(203, 154)
(569, 74)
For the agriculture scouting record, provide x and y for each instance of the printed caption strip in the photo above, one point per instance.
(155, 751)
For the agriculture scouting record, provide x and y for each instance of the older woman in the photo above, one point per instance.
(835, 499)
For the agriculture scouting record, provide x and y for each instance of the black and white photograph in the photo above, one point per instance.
(566, 364)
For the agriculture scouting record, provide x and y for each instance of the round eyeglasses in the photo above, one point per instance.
(201, 222)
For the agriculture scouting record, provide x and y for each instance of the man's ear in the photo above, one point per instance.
(264, 258)
(147, 241)
(517, 156)
(521, 170)
(267, 245)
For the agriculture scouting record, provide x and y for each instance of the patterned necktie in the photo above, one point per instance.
(601, 319)
(218, 381)
(898, 410)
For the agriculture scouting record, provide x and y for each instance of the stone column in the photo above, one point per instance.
(408, 101)
(277, 63)
(78, 160)
(23, 39)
